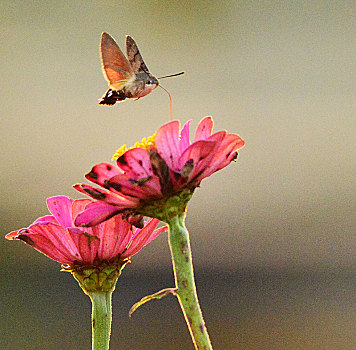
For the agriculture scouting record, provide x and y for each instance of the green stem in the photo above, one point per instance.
(101, 319)
(184, 279)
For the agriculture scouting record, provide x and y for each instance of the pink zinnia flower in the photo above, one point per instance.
(111, 243)
(154, 178)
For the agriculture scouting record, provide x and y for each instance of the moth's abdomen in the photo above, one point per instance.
(111, 97)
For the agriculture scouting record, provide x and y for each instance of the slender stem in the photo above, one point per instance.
(101, 319)
(184, 279)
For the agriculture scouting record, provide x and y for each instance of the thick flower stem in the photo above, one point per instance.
(185, 285)
(101, 319)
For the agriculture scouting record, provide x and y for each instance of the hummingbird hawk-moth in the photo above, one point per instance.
(127, 77)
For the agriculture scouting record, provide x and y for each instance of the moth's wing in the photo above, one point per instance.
(134, 56)
(116, 68)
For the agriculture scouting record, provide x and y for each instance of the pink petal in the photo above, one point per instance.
(114, 236)
(136, 163)
(204, 129)
(59, 236)
(95, 213)
(197, 152)
(87, 244)
(78, 206)
(205, 162)
(150, 238)
(102, 172)
(107, 197)
(61, 208)
(143, 237)
(47, 248)
(184, 141)
(218, 136)
(45, 219)
(224, 154)
(13, 235)
(122, 184)
(51, 240)
(167, 143)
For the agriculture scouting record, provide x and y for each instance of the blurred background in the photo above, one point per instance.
(273, 235)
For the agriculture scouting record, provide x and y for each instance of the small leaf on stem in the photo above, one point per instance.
(159, 295)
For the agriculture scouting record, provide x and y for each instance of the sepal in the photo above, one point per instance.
(97, 278)
(166, 208)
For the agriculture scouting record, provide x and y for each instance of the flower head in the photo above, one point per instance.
(108, 245)
(158, 178)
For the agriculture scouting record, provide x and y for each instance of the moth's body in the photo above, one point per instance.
(127, 77)
(135, 89)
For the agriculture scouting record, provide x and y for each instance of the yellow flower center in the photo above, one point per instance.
(146, 144)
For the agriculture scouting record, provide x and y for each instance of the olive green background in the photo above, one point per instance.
(273, 235)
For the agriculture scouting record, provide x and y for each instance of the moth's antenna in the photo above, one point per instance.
(170, 100)
(171, 75)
